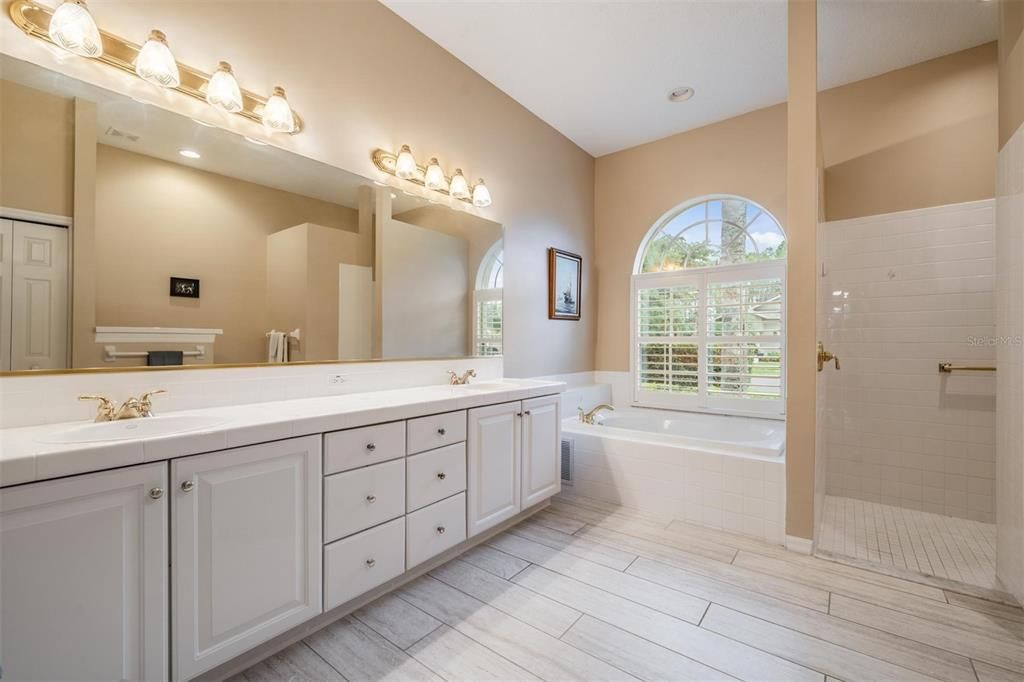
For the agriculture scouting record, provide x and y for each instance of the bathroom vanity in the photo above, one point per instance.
(235, 534)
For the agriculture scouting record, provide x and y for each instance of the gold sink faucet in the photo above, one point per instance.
(588, 417)
(133, 408)
(456, 380)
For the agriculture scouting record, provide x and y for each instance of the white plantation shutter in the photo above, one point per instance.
(710, 338)
(487, 325)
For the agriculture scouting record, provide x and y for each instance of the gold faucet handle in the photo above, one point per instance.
(145, 397)
(105, 410)
(146, 402)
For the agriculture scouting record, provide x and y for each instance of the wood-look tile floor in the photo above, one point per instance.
(931, 544)
(588, 591)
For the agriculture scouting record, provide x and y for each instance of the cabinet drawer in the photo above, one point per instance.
(435, 475)
(362, 562)
(358, 499)
(345, 450)
(433, 529)
(437, 430)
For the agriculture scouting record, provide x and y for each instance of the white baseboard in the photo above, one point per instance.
(799, 545)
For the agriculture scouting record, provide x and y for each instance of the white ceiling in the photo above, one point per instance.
(599, 71)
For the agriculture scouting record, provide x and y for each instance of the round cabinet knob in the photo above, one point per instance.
(371, 447)
(156, 493)
(441, 476)
(371, 562)
(440, 530)
(441, 431)
(527, 413)
(371, 498)
(187, 486)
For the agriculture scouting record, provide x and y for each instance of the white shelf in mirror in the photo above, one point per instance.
(156, 335)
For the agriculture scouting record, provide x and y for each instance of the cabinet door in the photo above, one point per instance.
(83, 577)
(493, 450)
(246, 549)
(541, 449)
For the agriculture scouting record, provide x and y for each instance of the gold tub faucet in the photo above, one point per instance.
(588, 417)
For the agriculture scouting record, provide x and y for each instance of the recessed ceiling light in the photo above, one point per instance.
(189, 153)
(680, 94)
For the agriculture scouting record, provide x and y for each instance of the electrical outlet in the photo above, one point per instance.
(335, 380)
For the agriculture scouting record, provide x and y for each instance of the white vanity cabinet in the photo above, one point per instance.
(83, 577)
(246, 549)
(541, 443)
(513, 453)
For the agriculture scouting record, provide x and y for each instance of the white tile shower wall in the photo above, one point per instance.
(904, 292)
(1010, 359)
(736, 494)
(32, 400)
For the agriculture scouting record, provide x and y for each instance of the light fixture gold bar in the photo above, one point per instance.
(385, 161)
(948, 367)
(34, 20)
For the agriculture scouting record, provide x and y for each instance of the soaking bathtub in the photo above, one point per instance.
(718, 471)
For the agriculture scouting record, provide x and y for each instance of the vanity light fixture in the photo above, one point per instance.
(74, 29)
(459, 186)
(189, 153)
(222, 91)
(156, 64)
(277, 113)
(481, 195)
(403, 165)
(434, 177)
(71, 27)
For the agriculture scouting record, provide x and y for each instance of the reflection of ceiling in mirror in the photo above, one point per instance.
(162, 134)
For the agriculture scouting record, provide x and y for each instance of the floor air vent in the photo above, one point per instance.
(568, 455)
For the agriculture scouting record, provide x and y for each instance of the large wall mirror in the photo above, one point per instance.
(131, 236)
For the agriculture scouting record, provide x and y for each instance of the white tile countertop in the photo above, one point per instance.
(25, 454)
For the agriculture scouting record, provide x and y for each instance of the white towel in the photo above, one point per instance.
(277, 350)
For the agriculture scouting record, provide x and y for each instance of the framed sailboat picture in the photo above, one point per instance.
(564, 274)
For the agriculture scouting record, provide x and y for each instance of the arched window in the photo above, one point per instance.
(708, 309)
(487, 323)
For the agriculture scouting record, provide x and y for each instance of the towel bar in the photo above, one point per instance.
(948, 367)
(110, 353)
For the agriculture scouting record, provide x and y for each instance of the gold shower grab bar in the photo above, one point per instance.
(948, 367)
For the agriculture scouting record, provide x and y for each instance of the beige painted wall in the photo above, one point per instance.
(363, 78)
(1011, 68)
(302, 284)
(801, 267)
(913, 120)
(916, 137)
(155, 219)
(37, 141)
(745, 155)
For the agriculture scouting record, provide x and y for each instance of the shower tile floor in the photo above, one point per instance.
(905, 539)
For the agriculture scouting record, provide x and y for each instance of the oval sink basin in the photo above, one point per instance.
(128, 429)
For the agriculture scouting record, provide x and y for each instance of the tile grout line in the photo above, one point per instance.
(317, 654)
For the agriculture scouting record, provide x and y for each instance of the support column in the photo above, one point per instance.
(802, 219)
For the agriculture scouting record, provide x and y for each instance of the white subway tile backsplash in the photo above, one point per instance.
(904, 292)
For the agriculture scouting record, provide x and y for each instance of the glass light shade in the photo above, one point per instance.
(405, 164)
(155, 62)
(481, 195)
(277, 113)
(459, 188)
(222, 91)
(73, 28)
(434, 178)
